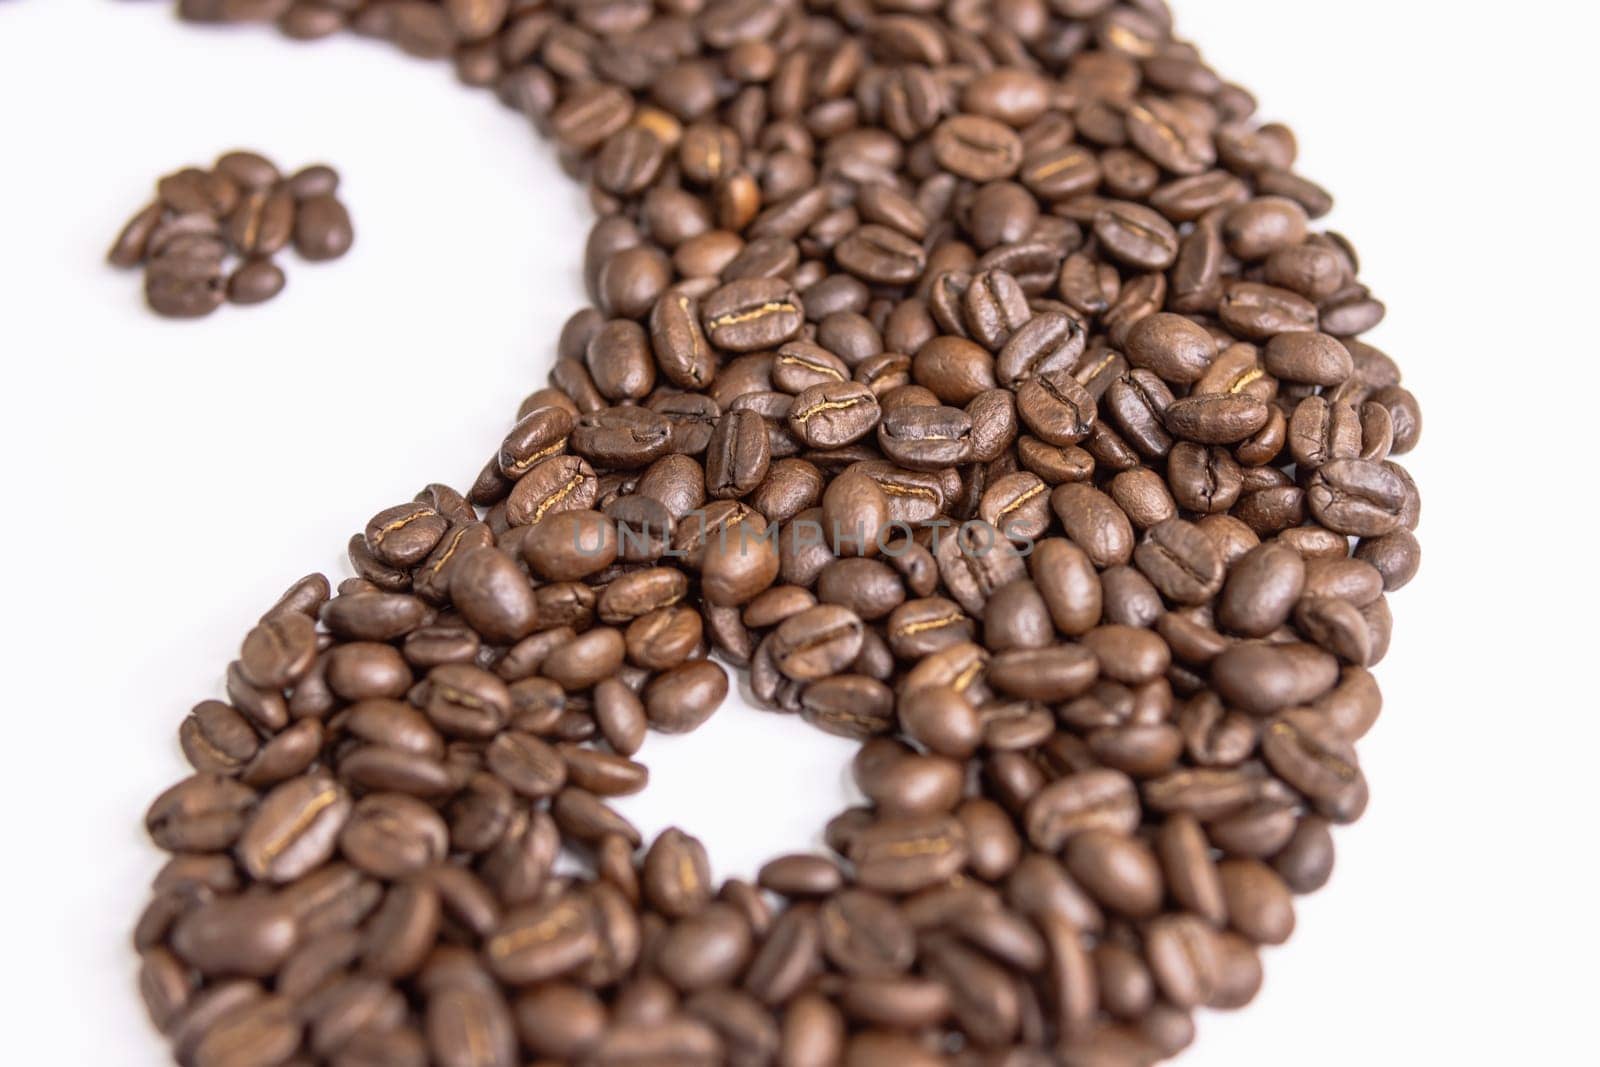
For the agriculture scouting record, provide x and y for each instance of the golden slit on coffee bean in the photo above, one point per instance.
(1338, 767)
(734, 318)
(557, 497)
(523, 466)
(1246, 378)
(313, 808)
(831, 405)
(564, 918)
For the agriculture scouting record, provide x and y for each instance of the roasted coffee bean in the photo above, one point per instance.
(833, 415)
(1261, 679)
(295, 829)
(977, 148)
(236, 936)
(255, 282)
(681, 699)
(391, 835)
(132, 243)
(1136, 236)
(1308, 752)
(1094, 523)
(1101, 799)
(1259, 312)
(1357, 497)
(322, 228)
(493, 595)
(1182, 954)
(1172, 346)
(926, 438)
(557, 483)
(621, 438)
(955, 369)
(263, 223)
(880, 255)
(752, 314)
(1118, 870)
(186, 282)
(1213, 419)
(1308, 358)
(1056, 408)
(738, 455)
(1056, 673)
(1181, 561)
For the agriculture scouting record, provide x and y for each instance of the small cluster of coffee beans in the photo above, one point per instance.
(210, 235)
(975, 376)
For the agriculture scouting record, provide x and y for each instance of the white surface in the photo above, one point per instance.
(164, 481)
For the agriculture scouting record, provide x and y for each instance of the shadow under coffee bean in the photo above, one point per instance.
(980, 384)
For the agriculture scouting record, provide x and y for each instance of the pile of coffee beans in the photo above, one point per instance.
(210, 234)
(974, 375)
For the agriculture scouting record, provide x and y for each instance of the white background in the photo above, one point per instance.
(163, 481)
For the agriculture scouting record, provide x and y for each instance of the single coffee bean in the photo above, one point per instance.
(880, 255)
(738, 455)
(295, 829)
(1136, 236)
(833, 415)
(322, 228)
(1056, 408)
(926, 438)
(752, 314)
(977, 148)
(255, 282)
(1357, 497)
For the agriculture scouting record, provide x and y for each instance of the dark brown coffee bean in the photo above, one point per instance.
(1119, 871)
(1048, 674)
(295, 829)
(1261, 679)
(833, 415)
(864, 934)
(1258, 312)
(1357, 497)
(1216, 419)
(186, 281)
(1181, 561)
(705, 949)
(493, 595)
(322, 228)
(1056, 408)
(236, 936)
(542, 941)
(1309, 358)
(390, 836)
(1101, 799)
(1172, 346)
(621, 438)
(1306, 752)
(738, 455)
(880, 255)
(1182, 955)
(1136, 236)
(681, 699)
(133, 241)
(752, 314)
(255, 282)
(977, 148)
(557, 483)
(263, 223)
(1094, 523)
